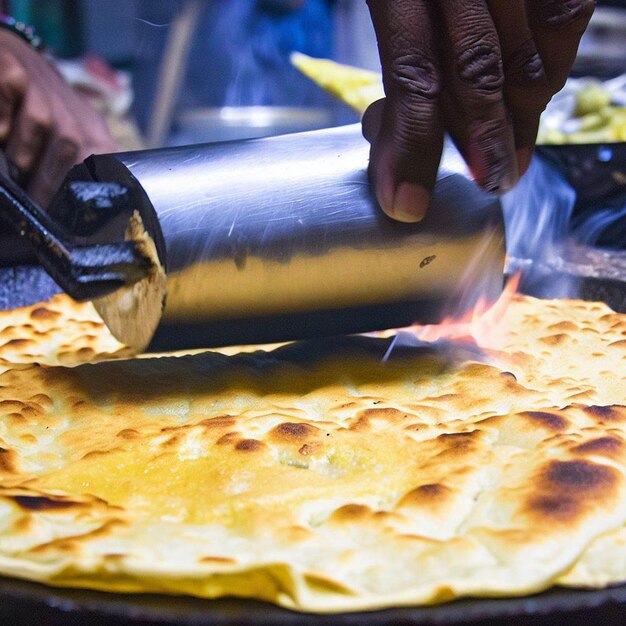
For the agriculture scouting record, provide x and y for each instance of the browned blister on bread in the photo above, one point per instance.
(317, 476)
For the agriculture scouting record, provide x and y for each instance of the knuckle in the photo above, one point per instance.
(411, 72)
(567, 14)
(526, 77)
(525, 66)
(13, 76)
(480, 67)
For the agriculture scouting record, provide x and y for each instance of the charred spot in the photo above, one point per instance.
(347, 405)
(351, 511)
(432, 490)
(72, 543)
(19, 343)
(7, 460)
(565, 325)
(609, 413)
(603, 445)
(23, 524)
(172, 442)
(43, 503)
(43, 314)
(309, 448)
(509, 375)
(556, 507)
(446, 397)
(41, 399)
(388, 414)
(32, 411)
(551, 421)
(425, 495)
(555, 340)
(294, 431)
(128, 433)
(249, 445)
(228, 438)
(92, 454)
(458, 441)
(579, 475)
(11, 406)
(223, 421)
(216, 560)
(360, 423)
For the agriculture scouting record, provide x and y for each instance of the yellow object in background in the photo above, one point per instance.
(356, 87)
(594, 119)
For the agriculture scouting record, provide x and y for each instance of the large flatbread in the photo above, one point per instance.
(322, 476)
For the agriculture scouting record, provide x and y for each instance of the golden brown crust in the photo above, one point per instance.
(329, 483)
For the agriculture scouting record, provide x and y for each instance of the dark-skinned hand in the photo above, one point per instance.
(480, 70)
(45, 125)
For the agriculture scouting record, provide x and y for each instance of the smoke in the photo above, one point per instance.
(550, 233)
(257, 41)
(538, 213)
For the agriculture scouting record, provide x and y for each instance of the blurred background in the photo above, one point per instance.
(171, 72)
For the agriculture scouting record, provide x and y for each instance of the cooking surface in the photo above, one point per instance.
(24, 604)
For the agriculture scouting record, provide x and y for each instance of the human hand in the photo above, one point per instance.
(45, 125)
(482, 71)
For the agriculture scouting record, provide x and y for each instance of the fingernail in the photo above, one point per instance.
(410, 203)
(384, 186)
(524, 156)
(492, 159)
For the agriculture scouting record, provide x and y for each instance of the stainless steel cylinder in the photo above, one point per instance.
(281, 238)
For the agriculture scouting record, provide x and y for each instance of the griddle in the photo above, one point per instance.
(25, 604)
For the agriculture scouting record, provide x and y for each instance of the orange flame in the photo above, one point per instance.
(482, 324)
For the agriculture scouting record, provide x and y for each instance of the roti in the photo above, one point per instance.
(322, 476)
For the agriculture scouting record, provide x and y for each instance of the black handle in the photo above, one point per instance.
(84, 272)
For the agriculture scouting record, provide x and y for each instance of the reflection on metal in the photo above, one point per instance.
(281, 238)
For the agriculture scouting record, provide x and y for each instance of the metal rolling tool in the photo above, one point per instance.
(281, 238)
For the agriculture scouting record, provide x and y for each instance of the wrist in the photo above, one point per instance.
(25, 32)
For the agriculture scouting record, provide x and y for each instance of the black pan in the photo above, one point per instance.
(30, 604)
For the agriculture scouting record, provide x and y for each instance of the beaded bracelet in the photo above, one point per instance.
(24, 31)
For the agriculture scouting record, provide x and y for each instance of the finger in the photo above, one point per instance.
(475, 112)
(557, 27)
(526, 88)
(407, 148)
(94, 130)
(63, 150)
(372, 120)
(32, 125)
(12, 86)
